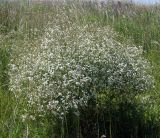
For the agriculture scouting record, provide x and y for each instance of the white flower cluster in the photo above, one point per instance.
(72, 63)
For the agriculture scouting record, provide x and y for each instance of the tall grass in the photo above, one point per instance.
(23, 24)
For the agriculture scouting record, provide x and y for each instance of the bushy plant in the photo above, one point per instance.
(72, 63)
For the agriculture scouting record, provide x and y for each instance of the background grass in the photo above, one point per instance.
(139, 24)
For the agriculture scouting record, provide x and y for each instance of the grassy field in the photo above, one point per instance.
(63, 36)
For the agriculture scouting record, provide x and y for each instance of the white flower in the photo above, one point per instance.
(71, 62)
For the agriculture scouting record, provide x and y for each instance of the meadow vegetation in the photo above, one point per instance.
(79, 70)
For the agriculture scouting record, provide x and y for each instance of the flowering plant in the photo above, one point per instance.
(71, 63)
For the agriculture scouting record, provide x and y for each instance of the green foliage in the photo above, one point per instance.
(110, 114)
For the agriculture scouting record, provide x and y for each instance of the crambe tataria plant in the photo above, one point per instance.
(71, 63)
